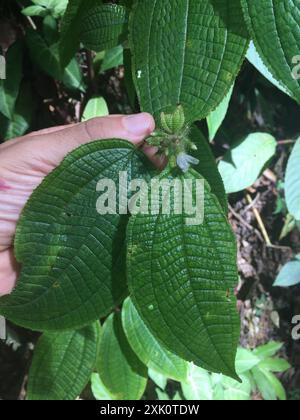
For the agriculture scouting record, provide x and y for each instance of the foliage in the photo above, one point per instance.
(171, 282)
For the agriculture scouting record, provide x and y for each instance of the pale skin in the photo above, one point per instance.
(26, 161)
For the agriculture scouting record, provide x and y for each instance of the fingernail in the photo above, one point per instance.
(138, 124)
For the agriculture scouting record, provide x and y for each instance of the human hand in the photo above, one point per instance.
(25, 161)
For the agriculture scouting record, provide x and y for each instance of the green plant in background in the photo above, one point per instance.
(173, 283)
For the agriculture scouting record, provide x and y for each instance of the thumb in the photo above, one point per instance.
(133, 128)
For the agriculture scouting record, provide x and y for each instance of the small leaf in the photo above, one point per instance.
(187, 53)
(96, 107)
(104, 27)
(234, 391)
(198, 385)
(9, 88)
(275, 365)
(113, 58)
(35, 11)
(292, 182)
(63, 363)
(245, 361)
(181, 278)
(275, 28)
(148, 349)
(98, 389)
(216, 117)
(242, 165)
(73, 257)
(158, 378)
(269, 386)
(290, 274)
(268, 350)
(22, 116)
(119, 368)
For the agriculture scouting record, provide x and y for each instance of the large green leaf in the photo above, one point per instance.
(289, 274)
(73, 258)
(292, 182)
(275, 28)
(70, 28)
(181, 278)
(186, 52)
(9, 88)
(242, 165)
(104, 27)
(120, 370)
(148, 349)
(63, 363)
(207, 166)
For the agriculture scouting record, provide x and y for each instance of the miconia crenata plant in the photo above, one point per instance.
(108, 237)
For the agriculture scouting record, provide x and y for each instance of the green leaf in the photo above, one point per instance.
(187, 53)
(158, 378)
(148, 349)
(9, 88)
(63, 363)
(96, 107)
(275, 29)
(198, 386)
(70, 28)
(254, 58)
(104, 27)
(98, 389)
(289, 274)
(119, 368)
(275, 365)
(113, 58)
(242, 165)
(181, 277)
(47, 59)
(268, 350)
(207, 166)
(73, 258)
(245, 361)
(22, 116)
(216, 117)
(269, 386)
(234, 391)
(35, 11)
(292, 182)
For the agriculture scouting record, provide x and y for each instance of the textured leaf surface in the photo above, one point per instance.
(73, 266)
(290, 274)
(181, 278)
(70, 28)
(148, 349)
(207, 166)
(99, 390)
(275, 28)
(120, 370)
(9, 88)
(242, 165)
(186, 52)
(292, 182)
(63, 363)
(104, 27)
